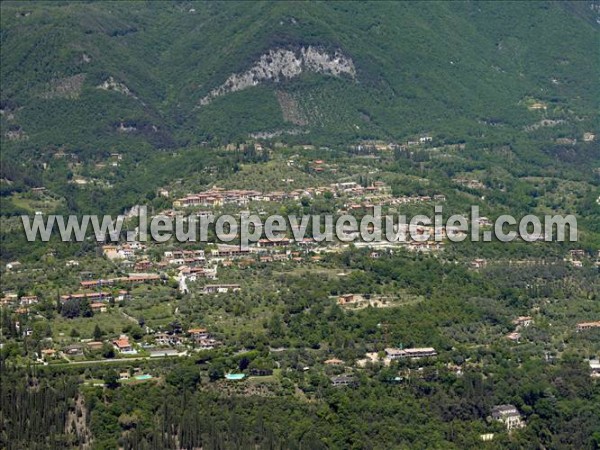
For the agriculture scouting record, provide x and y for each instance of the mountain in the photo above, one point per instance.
(94, 75)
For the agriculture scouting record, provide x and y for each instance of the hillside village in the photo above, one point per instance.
(133, 270)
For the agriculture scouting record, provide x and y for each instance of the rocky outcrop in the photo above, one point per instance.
(112, 85)
(280, 64)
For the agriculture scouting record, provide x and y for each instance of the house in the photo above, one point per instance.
(275, 242)
(334, 362)
(90, 284)
(587, 325)
(198, 333)
(122, 345)
(220, 288)
(537, 105)
(127, 264)
(224, 250)
(48, 353)
(207, 344)
(594, 368)
(509, 415)
(343, 380)
(74, 350)
(165, 339)
(588, 137)
(28, 300)
(13, 265)
(345, 299)
(122, 295)
(514, 336)
(484, 222)
(140, 278)
(92, 296)
(523, 321)
(577, 253)
(142, 265)
(455, 369)
(111, 251)
(95, 345)
(98, 307)
(412, 353)
(478, 263)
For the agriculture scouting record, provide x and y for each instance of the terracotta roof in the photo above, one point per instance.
(121, 343)
(197, 330)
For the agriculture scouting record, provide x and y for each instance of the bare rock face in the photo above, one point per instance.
(279, 64)
(112, 85)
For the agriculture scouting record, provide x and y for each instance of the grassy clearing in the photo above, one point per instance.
(111, 322)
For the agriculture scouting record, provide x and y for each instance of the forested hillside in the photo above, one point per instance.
(73, 71)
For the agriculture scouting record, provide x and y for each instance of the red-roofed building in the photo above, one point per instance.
(198, 333)
(122, 344)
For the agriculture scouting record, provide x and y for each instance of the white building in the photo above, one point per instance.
(509, 415)
(413, 353)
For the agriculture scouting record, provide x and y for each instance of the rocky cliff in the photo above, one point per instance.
(278, 64)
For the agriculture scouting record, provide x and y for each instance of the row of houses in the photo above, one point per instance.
(410, 353)
(217, 197)
(220, 288)
(98, 296)
(370, 202)
(122, 251)
(193, 273)
(199, 337)
(25, 300)
(132, 278)
(525, 321)
(93, 296)
(72, 350)
(381, 146)
(187, 257)
(583, 326)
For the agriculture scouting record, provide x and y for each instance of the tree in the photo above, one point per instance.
(244, 363)
(71, 309)
(136, 333)
(97, 333)
(186, 377)
(216, 372)
(86, 308)
(111, 379)
(108, 350)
